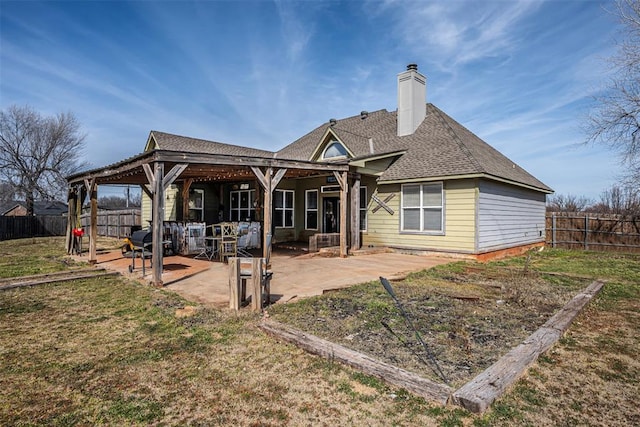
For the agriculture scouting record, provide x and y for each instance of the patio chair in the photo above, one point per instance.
(229, 241)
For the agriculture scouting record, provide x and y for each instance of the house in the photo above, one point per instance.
(40, 208)
(426, 183)
(412, 179)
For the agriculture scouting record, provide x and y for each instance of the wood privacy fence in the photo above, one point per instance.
(21, 227)
(573, 230)
(114, 223)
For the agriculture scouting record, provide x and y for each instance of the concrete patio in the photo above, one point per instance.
(295, 275)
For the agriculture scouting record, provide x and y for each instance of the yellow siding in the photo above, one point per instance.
(459, 233)
(171, 195)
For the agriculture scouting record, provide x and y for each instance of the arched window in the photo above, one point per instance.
(333, 150)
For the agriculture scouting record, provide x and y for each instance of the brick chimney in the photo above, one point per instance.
(412, 100)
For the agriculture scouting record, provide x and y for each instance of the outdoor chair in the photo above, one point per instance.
(229, 241)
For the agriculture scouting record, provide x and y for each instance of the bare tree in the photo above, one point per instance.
(38, 152)
(568, 203)
(6, 192)
(618, 200)
(615, 120)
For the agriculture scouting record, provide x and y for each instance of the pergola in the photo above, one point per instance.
(156, 170)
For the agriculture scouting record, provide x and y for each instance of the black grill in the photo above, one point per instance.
(141, 239)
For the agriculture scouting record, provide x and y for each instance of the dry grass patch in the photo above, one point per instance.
(468, 315)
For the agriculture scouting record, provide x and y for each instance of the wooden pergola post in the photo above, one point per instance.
(269, 181)
(71, 219)
(341, 177)
(92, 189)
(186, 186)
(159, 182)
(355, 212)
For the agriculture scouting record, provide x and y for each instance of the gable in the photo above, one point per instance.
(152, 144)
(330, 148)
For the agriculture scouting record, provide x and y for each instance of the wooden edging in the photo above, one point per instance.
(479, 393)
(419, 386)
(24, 281)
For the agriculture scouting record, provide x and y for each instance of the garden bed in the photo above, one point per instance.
(468, 315)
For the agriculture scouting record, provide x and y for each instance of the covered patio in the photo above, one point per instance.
(295, 275)
(155, 170)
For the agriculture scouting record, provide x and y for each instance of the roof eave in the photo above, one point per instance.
(468, 176)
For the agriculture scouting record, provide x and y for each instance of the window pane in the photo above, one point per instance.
(277, 218)
(431, 195)
(411, 219)
(277, 199)
(288, 199)
(411, 196)
(432, 219)
(288, 218)
(312, 220)
(234, 200)
(234, 215)
(363, 220)
(363, 197)
(244, 199)
(312, 200)
(335, 150)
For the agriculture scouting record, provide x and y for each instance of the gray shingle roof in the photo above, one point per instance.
(440, 147)
(170, 142)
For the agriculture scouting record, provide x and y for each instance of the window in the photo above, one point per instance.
(311, 210)
(196, 205)
(334, 149)
(363, 208)
(241, 208)
(283, 208)
(422, 207)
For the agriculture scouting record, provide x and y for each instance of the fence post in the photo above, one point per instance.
(553, 230)
(586, 231)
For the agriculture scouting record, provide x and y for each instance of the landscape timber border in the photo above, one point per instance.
(476, 395)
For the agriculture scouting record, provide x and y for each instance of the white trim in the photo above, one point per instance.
(282, 210)
(307, 210)
(240, 210)
(194, 192)
(363, 200)
(421, 207)
(335, 188)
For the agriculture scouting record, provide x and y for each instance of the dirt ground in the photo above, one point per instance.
(466, 319)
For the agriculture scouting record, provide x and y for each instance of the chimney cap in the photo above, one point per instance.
(364, 114)
(332, 122)
(412, 67)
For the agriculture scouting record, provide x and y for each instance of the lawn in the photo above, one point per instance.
(112, 351)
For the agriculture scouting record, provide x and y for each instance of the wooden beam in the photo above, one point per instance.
(147, 190)
(269, 181)
(157, 218)
(71, 219)
(173, 174)
(262, 179)
(344, 212)
(277, 178)
(150, 177)
(235, 294)
(355, 213)
(92, 189)
(417, 385)
(479, 393)
(341, 178)
(186, 186)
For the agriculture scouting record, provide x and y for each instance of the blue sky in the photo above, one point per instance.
(521, 75)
